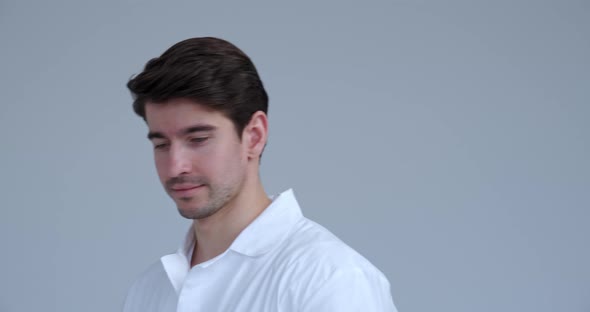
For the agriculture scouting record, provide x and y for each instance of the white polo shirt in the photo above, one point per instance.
(281, 262)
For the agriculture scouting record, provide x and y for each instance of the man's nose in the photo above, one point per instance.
(180, 162)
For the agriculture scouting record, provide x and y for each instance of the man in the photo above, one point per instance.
(206, 110)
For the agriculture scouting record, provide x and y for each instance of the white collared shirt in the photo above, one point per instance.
(282, 261)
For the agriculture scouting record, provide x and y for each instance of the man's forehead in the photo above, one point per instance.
(178, 105)
(181, 118)
(180, 111)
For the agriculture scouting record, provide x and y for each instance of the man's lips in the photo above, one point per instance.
(184, 188)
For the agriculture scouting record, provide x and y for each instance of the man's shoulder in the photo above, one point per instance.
(322, 273)
(310, 247)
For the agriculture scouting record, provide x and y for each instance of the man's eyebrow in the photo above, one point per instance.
(192, 129)
(197, 128)
(155, 135)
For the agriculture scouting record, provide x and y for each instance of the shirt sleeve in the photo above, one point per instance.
(348, 290)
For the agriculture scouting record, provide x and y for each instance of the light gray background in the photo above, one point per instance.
(448, 142)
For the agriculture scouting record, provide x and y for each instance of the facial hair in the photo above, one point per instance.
(218, 197)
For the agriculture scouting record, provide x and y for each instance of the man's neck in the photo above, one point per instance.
(216, 233)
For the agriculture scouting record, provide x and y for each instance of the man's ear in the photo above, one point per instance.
(255, 135)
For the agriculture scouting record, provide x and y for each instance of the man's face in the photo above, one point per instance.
(199, 157)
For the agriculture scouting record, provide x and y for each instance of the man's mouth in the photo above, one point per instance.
(185, 189)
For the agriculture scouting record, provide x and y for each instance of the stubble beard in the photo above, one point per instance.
(217, 199)
(211, 199)
(205, 204)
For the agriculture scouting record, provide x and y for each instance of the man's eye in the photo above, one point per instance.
(198, 140)
(160, 146)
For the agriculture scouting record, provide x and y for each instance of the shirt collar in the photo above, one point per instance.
(267, 231)
(270, 228)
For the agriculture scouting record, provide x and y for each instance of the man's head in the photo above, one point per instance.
(209, 71)
(205, 108)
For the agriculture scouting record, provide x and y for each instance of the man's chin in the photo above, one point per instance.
(189, 213)
(194, 212)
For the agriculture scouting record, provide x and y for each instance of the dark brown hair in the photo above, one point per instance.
(209, 71)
